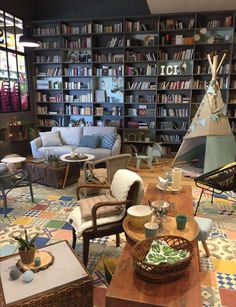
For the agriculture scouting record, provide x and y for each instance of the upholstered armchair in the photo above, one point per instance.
(16, 179)
(103, 215)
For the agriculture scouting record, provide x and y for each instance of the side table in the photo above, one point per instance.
(65, 283)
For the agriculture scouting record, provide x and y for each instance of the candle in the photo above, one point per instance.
(176, 178)
(37, 261)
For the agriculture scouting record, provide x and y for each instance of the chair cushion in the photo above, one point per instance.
(108, 141)
(86, 206)
(50, 138)
(91, 141)
(205, 227)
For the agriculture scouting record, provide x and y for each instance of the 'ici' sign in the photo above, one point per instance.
(173, 69)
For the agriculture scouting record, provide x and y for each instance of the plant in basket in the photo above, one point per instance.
(26, 247)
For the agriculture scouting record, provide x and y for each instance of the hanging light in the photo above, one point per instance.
(27, 40)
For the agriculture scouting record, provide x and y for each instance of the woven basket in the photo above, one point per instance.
(163, 272)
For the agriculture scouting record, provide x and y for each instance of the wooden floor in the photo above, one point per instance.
(159, 169)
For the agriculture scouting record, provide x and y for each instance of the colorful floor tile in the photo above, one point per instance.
(48, 217)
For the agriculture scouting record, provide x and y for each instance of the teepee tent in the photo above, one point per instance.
(209, 142)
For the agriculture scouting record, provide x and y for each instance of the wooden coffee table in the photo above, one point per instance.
(127, 289)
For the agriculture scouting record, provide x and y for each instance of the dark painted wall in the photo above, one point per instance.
(63, 9)
(20, 8)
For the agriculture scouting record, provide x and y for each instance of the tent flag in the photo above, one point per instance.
(209, 132)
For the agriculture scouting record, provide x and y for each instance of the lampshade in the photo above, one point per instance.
(27, 40)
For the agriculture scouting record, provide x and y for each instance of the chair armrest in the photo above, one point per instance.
(104, 204)
(94, 186)
(35, 145)
(116, 147)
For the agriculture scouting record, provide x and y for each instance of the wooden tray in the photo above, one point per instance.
(75, 158)
(47, 259)
(190, 232)
(168, 189)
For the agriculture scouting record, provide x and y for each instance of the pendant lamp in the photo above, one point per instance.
(27, 40)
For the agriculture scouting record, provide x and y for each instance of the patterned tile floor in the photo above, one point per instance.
(48, 215)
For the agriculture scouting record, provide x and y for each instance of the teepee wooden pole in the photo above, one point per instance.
(221, 62)
(210, 62)
(214, 67)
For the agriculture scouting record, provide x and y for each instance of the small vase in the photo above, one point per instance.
(27, 256)
(72, 154)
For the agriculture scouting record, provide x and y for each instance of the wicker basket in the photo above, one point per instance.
(163, 272)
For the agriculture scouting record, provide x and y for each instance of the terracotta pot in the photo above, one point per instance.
(27, 256)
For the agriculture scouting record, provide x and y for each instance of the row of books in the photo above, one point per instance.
(41, 97)
(48, 45)
(172, 24)
(215, 23)
(115, 42)
(173, 125)
(173, 85)
(185, 54)
(109, 71)
(170, 138)
(174, 98)
(109, 123)
(101, 28)
(132, 26)
(141, 111)
(201, 54)
(76, 85)
(200, 69)
(76, 29)
(176, 40)
(173, 112)
(143, 85)
(51, 72)
(140, 98)
(48, 59)
(52, 30)
(80, 71)
(110, 57)
(202, 84)
(48, 122)
(140, 56)
(148, 70)
(76, 110)
(79, 43)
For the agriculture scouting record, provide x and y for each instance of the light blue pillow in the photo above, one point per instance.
(91, 141)
(108, 141)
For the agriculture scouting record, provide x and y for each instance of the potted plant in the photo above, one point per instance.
(54, 160)
(26, 247)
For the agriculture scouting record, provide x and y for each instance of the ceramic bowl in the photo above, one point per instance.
(139, 215)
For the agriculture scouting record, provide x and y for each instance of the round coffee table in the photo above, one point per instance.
(77, 159)
(11, 161)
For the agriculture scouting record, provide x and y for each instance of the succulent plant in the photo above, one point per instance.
(25, 243)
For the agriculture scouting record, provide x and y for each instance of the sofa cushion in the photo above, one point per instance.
(91, 141)
(91, 130)
(70, 135)
(50, 138)
(108, 141)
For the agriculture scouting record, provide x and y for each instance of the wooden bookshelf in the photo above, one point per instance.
(146, 75)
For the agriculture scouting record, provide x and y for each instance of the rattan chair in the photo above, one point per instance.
(222, 179)
(112, 223)
(94, 172)
(16, 179)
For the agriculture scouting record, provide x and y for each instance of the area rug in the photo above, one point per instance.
(48, 217)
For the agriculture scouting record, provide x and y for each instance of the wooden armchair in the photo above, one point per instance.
(93, 172)
(105, 213)
(222, 179)
(16, 179)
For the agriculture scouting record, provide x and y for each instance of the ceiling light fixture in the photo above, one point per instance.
(27, 40)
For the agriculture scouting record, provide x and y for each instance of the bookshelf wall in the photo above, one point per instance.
(145, 75)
